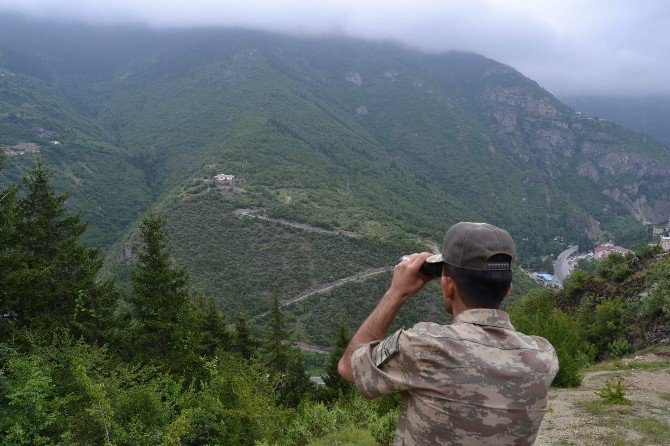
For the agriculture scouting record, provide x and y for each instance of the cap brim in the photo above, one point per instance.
(437, 258)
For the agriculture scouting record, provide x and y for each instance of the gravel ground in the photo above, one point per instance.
(580, 417)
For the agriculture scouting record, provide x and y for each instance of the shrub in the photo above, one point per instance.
(575, 284)
(657, 302)
(613, 393)
(605, 267)
(383, 430)
(619, 347)
(621, 272)
(604, 322)
(536, 314)
(312, 420)
(28, 411)
(359, 412)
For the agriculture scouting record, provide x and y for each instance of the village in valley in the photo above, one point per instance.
(569, 259)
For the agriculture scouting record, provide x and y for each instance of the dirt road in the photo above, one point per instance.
(261, 215)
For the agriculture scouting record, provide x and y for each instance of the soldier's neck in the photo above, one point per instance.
(457, 306)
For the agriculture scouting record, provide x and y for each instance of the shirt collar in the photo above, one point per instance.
(484, 316)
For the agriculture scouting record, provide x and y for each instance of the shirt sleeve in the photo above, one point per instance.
(380, 367)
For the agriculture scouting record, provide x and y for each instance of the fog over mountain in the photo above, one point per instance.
(569, 47)
(647, 114)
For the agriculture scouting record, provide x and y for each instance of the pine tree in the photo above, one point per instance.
(294, 381)
(332, 379)
(276, 346)
(54, 269)
(212, 331)
(160, 299)
(284, 358)
(245, 343)
(9, 256)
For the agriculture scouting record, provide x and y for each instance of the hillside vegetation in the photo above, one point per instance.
(382, 141)
(88, 362)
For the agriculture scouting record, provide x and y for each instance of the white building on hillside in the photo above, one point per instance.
(665, 241)
(225, 179)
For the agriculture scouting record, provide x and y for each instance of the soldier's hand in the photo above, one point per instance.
(407, 280)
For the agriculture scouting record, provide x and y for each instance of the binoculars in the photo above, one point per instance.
(428, 269)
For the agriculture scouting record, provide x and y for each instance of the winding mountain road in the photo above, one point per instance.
(561, 266)
(261, 215)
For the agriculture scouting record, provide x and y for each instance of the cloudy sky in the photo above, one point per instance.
(613, 47)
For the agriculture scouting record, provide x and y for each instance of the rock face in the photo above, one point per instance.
(534, 126)
(355, 78)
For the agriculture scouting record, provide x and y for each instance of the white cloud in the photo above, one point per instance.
(568, 46)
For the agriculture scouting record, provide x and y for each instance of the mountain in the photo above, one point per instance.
(102, 178)
(346, 154)
(646, 114)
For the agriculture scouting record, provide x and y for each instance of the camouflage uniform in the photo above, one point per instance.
(477, 381)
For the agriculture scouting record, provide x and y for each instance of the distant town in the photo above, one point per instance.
(567, 261)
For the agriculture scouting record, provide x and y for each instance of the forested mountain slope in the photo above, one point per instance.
(103, 180)
(383, 142)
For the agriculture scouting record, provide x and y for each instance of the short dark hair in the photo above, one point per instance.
(481, 288)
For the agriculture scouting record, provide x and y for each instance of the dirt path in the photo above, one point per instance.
(580, 417)
(327, 286)
(261, 215)
(431, 245)
(313, 347)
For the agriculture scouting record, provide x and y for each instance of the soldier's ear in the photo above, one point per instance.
(509, 290)
(448, 286)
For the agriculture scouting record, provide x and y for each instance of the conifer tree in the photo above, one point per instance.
(55, 268)
(277, 341)
(212, 331)
(160, 298)
(8, 254)
(295, 383)
(245, 343)
(332, 379)
(284, 358)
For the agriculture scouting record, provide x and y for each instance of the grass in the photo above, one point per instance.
(625, 420)
(633, 422)
(651, 366)
(349, 437)
(653, 431)
(613, 439)
(604, 409)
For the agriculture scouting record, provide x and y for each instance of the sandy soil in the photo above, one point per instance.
(580, 417)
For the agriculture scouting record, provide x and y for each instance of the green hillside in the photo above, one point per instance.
(102, 178)
(384, 146)
(87, 361)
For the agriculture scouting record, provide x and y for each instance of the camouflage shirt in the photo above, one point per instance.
(477, 381)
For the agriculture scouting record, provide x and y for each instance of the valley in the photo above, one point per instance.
(344, 153)
(193, 222)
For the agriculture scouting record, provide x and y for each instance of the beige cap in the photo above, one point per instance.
(470, 246)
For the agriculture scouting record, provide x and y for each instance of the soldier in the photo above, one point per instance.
(477, 381)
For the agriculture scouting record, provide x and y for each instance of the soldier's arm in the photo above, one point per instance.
(407, 281)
